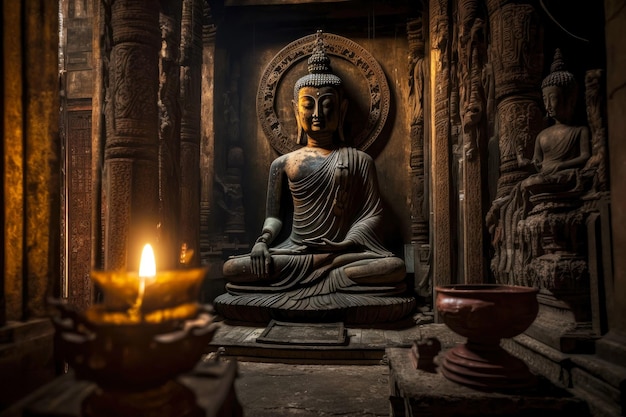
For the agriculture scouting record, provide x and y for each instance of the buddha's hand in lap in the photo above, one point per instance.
(260, 259)
(328, 245)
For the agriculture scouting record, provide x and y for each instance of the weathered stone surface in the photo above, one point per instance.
(590, 377)
(430, 394)
(312, 390)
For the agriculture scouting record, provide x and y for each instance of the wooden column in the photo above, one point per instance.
(471, 51)
(439, 137)
(420, 240)
(30, 160)
(30, 195)
(131, 150)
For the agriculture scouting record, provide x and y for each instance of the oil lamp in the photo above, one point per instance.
(149, 329)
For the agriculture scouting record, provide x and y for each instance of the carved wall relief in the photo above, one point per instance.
(229, 182)
(78, 208)
(597, 165)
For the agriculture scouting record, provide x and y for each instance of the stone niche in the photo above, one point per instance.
(247, 39)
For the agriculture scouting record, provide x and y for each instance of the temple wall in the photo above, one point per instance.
(613, 347)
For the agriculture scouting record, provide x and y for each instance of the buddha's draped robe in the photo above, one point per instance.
(567, 147)
(561, 144)
(339, 201)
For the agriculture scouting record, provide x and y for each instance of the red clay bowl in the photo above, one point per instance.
(487, 312)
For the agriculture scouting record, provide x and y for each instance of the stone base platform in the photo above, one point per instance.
(365, 345)
(336, 307)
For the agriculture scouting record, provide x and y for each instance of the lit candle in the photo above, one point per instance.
(147, 269)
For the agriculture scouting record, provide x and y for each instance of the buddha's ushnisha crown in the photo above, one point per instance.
(320, 73)
(559, 76)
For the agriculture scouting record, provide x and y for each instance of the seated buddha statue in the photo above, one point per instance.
(332, 265)
(562, 149)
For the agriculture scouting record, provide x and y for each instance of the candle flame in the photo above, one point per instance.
(147, 266)
(147, 269)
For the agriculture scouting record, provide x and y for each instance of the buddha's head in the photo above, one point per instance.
(559, 90)
(318, 103)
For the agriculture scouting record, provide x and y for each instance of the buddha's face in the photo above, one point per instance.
(318, 110)
(557, 105)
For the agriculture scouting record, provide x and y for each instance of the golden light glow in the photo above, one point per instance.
(147, 266)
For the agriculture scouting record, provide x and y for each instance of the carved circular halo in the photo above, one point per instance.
(363, 80)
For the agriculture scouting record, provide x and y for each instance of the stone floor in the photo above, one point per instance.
(277, 389)
(292, 376)
(307, 381)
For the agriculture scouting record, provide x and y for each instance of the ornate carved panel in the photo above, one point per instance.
(79, 206)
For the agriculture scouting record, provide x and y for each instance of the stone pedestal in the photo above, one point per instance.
(552, 238)
(418, 392)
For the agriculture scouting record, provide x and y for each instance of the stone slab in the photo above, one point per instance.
(416, 392)
(308, 334)
(364, 345)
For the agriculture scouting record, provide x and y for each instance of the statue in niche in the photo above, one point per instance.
(333, 259)
(562, 149)
(550, 192)
(539, 229)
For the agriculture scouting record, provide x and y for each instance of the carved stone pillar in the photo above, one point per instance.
(516, 59)
(131, 149)
(190, 81)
